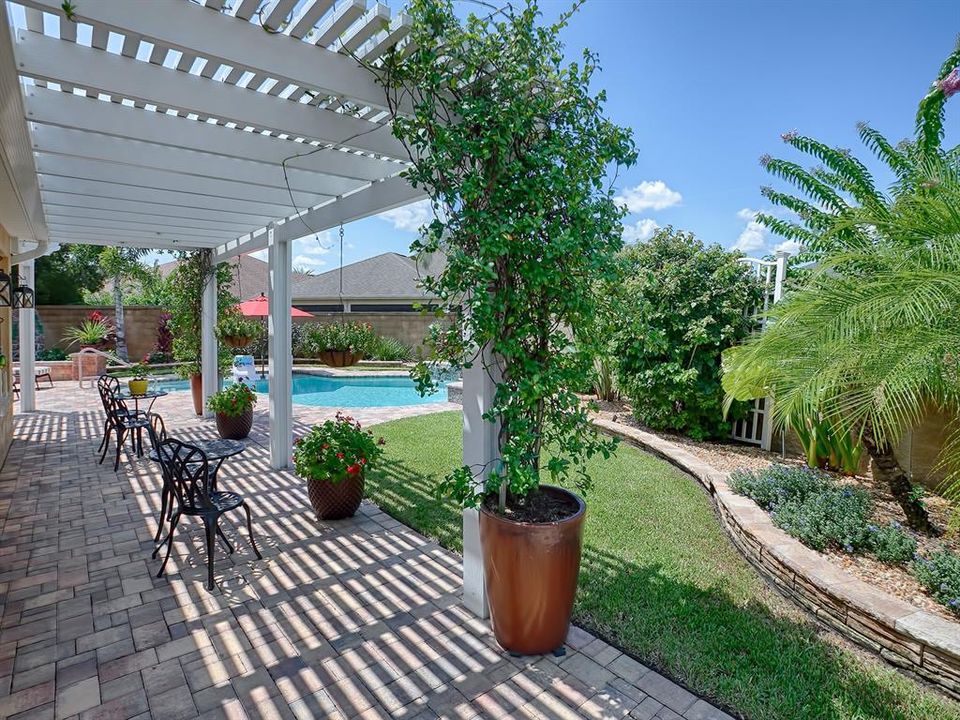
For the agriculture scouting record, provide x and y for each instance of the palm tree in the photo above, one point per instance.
(870, 343)
(122, 264)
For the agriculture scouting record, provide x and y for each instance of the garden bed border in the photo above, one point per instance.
(903, 635)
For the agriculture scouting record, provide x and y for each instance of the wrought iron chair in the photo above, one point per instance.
(121, 421)
(157, 433)
(189, 471)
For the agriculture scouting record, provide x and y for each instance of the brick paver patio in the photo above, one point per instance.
(358, 618)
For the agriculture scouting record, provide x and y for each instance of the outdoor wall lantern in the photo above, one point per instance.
(5, 287)
(23, 297)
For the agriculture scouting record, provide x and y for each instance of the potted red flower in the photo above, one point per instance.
(333, 458)
(233, 407)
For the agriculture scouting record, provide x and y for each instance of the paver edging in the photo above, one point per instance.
(903, 635)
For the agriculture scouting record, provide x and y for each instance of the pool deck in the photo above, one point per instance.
(356, 618)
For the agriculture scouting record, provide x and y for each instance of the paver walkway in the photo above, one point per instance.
(358, 618)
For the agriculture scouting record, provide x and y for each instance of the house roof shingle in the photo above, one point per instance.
(389, 276)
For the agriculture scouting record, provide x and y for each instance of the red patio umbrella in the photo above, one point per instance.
(259, 307)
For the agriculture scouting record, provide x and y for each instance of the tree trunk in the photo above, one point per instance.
(118, 307)
(887, 469)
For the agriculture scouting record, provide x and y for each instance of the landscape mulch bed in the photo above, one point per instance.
(897, 581)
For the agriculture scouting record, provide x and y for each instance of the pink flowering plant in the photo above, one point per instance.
(233, 401)
(336, 450)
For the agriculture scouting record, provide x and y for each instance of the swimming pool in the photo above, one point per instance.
(345, 392)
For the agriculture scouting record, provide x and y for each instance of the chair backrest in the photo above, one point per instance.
(108, 387)
(116, 408)
(189, 473)
(156, 430)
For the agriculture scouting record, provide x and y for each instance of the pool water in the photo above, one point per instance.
(345, 392)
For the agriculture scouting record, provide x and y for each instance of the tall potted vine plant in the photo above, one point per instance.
(513, 150)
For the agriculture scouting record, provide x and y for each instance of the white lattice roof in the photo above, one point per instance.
(165, 123)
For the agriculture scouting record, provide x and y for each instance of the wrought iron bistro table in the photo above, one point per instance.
(216, 451)
(150, 395)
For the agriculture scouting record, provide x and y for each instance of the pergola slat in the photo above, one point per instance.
(307, 16)
(61, 213)
(148, 177)
(76, 143)
(344, 15)
(72, 111)
(192, 29)
(276, 12)
(375, 20)
(58, 61)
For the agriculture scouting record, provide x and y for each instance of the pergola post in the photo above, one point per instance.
(280, 367)
(209, 352)
(28, 345)
(480, 451)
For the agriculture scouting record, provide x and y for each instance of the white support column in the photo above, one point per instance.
(280, 267)
(780, 274)
(209, 361)
(781, 258)
(479, 451)
(28, 345)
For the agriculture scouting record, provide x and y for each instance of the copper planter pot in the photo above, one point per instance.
(340, 358)
(335, 500)
(196, 389)
(235, 427)
(531, 574)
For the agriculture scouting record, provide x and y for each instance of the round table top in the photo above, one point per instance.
(217, 449)
(148, 395)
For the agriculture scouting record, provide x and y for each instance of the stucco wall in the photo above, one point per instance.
(6, 347)
(409, 328)
(140, 324)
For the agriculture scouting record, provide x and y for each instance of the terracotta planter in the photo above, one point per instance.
(196, 389)
(335, 500)
(531, 574)
(340, 358)
(235, 427)
(237, 341)
(138, 387)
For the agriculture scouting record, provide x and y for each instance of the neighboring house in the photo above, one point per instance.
(387, 283)
(249, 275)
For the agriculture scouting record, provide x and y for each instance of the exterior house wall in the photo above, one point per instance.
(6, 348)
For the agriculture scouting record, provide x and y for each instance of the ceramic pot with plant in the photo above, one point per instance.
(138, 382)
(333, 458)
(233, 408)
(236, 330)
(94, 332)
(339, 344)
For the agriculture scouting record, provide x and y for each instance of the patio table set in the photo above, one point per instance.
(188, 469)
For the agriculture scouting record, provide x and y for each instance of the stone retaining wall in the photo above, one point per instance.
(906, 636)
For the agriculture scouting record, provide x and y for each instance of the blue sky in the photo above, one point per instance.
(709, 86)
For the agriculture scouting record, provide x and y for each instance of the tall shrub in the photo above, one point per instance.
(681, 305)
(513, 150)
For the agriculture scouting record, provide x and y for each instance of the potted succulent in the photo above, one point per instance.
(237, 331)
(233, 407)
(338, 344)
(138, 382)
(333, 458)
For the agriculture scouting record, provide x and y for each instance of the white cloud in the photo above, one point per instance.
(643, 230)
(308, 261)
(790, 246)
(409, 217)
(754, 235)
(648, 195)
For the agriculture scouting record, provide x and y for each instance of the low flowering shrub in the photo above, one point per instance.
(335, 450)
(233, 401)
(891, 543)
(353, 337)
(778, 483)
(832, 517)
(940, 575)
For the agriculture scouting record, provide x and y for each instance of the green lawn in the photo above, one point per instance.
(660, 580)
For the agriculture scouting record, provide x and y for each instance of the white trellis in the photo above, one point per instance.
(755, 428)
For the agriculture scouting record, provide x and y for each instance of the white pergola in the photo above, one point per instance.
(167, 124)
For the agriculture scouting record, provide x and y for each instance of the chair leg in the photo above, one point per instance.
(169, 539)
(224, 538)
(106, 432)
(163, 513)
(106, 444)
(120, 434)
(211, 525)
(253, 543)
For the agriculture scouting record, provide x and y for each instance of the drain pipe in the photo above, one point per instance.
(43, 248)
